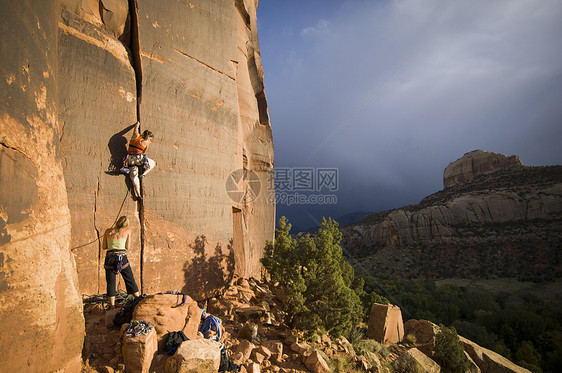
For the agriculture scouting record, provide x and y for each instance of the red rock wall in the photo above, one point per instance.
(76, 74)
(40, 307)
(191, 72)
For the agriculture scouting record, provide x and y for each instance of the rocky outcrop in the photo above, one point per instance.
(275, 347)
(138, 351)
(479, 359)
(385, 324)
(202, 355)
(40, 306)
(498, 216)
(414, 360)
(476, 163)
(170, 313)
(490, 361)
(424, 332)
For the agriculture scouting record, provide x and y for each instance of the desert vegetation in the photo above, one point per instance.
(526, 329)
(324, 295)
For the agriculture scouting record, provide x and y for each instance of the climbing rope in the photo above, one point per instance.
(117, 217)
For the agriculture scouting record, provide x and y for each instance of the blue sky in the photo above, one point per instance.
(390, 92)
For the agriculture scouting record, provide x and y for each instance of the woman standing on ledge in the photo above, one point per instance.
(116, 241)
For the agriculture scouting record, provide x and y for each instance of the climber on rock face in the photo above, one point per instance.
(136, 157)
(116, 241)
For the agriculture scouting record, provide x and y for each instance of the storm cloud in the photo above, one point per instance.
(390, 92)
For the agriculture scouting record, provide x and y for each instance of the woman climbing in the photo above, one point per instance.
(136, 157)
(116, 241)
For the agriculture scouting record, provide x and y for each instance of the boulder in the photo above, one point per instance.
(201, 356)
(257, 357)
(276, 349)
(167, 313)
(346, 345)
(490, 361)
(316, 363)
(414, 360)
(425, 333)
(385, 324)
(253, 313)
(138, 352)
(244, 351)
(249, 331)
(475, 163)
(300, 348)
(264, 351)
(253, 368)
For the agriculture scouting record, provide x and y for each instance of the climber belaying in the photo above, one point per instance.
(136, 158)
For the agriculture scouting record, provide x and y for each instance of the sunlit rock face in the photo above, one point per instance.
(40, 306)
(76, 75)
(191, 72)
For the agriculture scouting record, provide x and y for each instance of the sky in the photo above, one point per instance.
(388, 93)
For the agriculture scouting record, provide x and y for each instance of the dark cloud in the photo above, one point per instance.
(390, 92)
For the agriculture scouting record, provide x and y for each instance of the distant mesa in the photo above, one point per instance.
(494, 218)
(475, 163)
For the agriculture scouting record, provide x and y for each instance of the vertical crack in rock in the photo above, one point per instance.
(137, 67)
(135, 50)
(101, 9)
(142, 237)
(96, 193)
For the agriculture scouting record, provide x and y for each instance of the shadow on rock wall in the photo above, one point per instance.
(118, 148)
(205, 274)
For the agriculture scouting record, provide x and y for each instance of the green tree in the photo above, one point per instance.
(527, 356)
(449, 353)
(320, 285)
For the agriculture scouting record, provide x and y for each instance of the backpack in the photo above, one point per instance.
(226, 365)
(174, 340)
(125, 314)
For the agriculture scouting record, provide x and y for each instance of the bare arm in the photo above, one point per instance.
(128, 239)
(136, 131)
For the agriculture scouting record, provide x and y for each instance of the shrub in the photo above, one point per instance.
(316, 279)
(449, 353)
(410, 339)
(370, 345)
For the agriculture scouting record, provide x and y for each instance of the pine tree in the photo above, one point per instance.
(316, 279)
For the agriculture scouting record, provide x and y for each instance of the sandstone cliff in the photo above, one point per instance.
(505, 222)
(40, 307)
(191, 72)
(476, 163)
(76, 74)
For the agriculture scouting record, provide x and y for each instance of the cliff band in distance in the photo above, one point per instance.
(495, 218)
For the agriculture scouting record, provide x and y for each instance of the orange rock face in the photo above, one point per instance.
(385, 324)
(191, 73)
(40, 307)
(75, 76)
